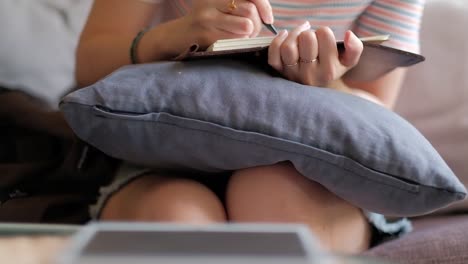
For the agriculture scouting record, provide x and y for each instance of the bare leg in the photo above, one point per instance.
(278, 193)
(164, 199)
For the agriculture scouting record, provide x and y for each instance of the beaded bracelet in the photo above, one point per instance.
(133, 47)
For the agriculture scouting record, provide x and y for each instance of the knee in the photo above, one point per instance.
(169, 200)
(276, 192)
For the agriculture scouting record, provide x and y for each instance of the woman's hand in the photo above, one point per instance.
(312, 58)
(211, 20)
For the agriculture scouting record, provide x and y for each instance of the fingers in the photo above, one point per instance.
(248, 10)
(211, 20)
(353, 50)
(308, 54)
(274, 55)
(250, 26)
(330, 66)
(312, 58)
(235, 25)
(283, 53)
(265, 10)
(289, 49)
(308, 45)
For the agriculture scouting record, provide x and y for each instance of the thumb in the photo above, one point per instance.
(353, 50)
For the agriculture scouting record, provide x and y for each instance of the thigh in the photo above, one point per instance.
(164, 197)
(279, 193)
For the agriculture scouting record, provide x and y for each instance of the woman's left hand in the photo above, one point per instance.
(312, 58)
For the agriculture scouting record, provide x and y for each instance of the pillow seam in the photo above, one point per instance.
(120, 116)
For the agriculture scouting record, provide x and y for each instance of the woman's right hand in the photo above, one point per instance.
(210, 20)
(113, 24)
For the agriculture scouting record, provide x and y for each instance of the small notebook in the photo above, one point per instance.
(376, 59)
(244, 43)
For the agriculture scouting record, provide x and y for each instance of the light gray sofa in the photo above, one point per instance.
(435, 99)
(435, 240)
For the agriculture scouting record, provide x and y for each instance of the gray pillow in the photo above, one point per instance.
(219, 115)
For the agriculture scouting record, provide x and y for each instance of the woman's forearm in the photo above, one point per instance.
(100, 54)
(383, 91)
(368, 96)
(340, 85)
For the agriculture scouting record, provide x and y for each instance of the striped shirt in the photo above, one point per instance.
(398, 18)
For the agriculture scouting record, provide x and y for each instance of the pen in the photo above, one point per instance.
(271, 28)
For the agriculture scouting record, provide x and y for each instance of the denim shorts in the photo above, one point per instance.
(382, 228)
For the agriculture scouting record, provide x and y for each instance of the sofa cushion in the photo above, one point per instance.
(37, 48)
(220, 115)
(441, 240)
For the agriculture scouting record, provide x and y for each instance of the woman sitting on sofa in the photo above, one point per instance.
(304, 51)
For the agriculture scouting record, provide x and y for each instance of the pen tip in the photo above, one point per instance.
(272, 28)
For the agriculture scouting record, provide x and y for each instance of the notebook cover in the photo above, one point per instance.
(376, 59)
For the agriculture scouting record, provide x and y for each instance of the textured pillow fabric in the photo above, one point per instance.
(37, 48)
(222, 115)
(440, 86)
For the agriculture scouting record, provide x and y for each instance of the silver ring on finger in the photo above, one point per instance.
(307, 61)
(291, 65)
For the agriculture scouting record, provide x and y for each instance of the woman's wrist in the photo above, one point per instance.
(164, 41)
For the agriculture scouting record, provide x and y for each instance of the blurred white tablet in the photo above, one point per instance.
(138, 243)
